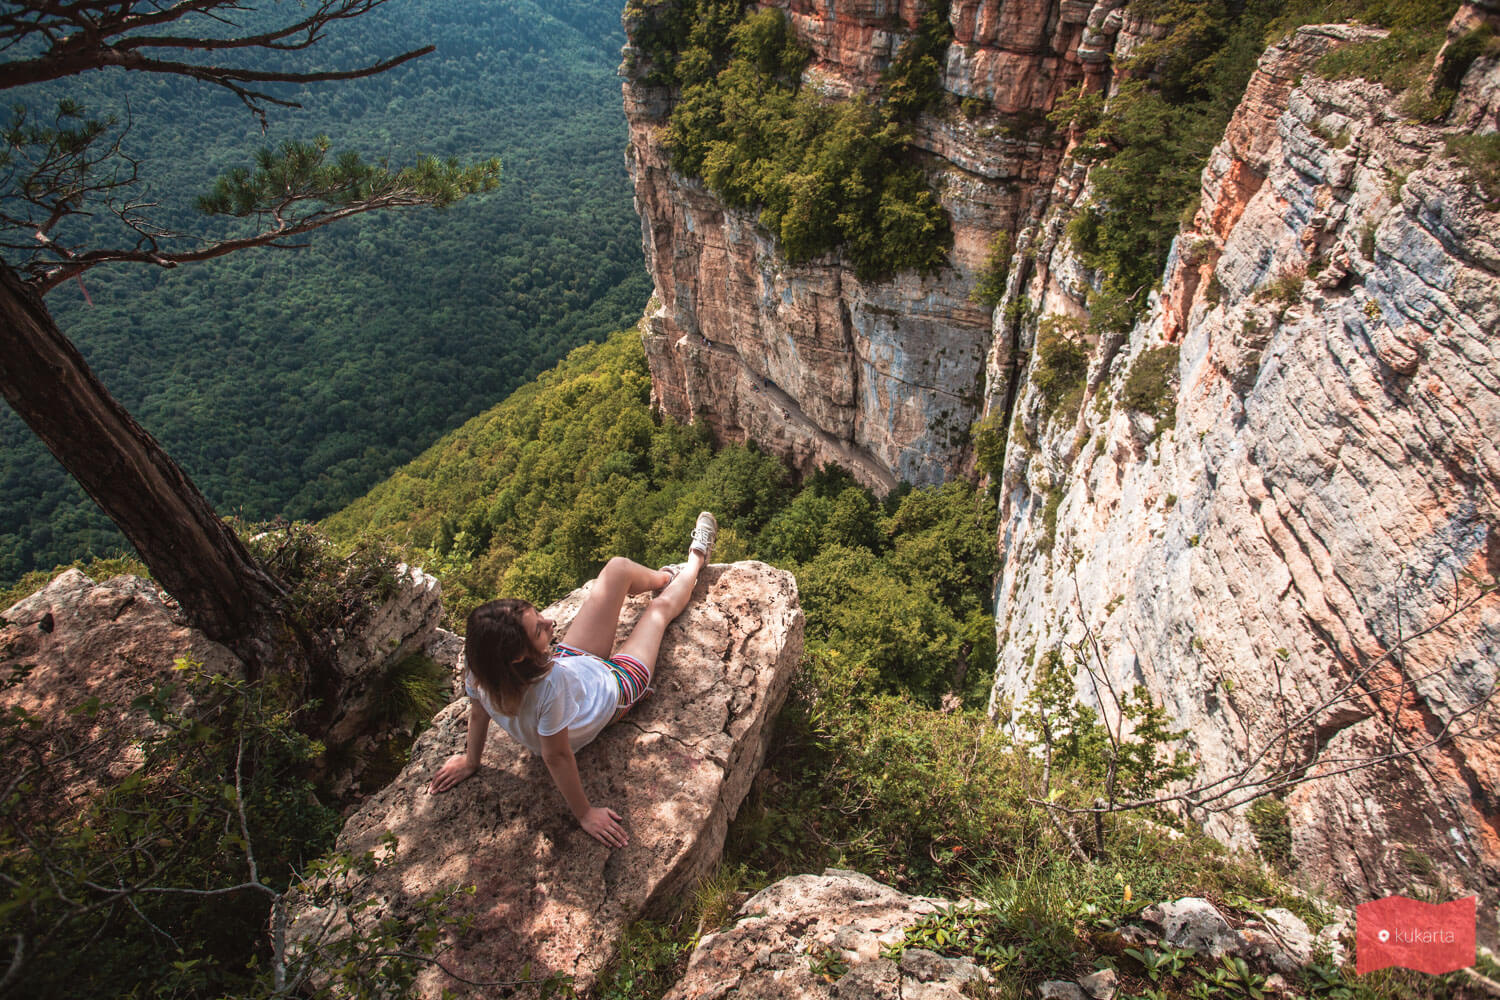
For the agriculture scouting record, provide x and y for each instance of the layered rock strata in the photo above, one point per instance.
(884, 377)
(549, 896)
(1290, 568)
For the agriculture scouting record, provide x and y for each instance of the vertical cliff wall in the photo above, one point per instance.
(1289, 567)
(809, 361)
(1285, 551)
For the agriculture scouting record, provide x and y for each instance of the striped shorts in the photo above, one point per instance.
(631, 675)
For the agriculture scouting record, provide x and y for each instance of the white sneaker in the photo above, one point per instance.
(705, 532)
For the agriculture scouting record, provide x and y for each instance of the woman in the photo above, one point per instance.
(555, 700)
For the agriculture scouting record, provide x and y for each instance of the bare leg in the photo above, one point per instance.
(645, 639)
(593, 628)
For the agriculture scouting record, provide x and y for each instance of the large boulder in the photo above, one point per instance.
(77, 640)
(823, 936)
(549, 896)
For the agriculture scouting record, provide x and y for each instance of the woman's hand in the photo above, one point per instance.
(454, 770)
(604, 826)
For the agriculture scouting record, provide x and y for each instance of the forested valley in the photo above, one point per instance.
(288, 382)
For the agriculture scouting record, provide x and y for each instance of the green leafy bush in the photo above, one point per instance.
(1062, 364)
(1271, 826)
(989, 439)
(990, 288)
(1048, 536)
(912, 84)
(1151, 385)
(824, 175)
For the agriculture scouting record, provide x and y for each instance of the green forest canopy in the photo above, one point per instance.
(287, 383)
(530, 498)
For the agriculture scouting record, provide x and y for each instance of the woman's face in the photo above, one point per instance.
(538, 632)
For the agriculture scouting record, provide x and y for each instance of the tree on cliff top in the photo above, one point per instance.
(59, 168)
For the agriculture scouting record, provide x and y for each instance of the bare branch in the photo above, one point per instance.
(98, 34)
(17, 961)
(1249, 781)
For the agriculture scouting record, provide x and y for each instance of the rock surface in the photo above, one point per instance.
(1332, 478)
(823, 936)
(117, 639)
(113, 641)
(1195, 924)
(885, 377)
(676, 769)
(1277, 568)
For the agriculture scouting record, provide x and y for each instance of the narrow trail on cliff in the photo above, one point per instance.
(855, 459)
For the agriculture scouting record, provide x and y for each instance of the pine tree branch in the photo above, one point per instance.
(280, 195)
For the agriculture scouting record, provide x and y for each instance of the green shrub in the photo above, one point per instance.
(989, 438)
(1061, 367)
(912, 84)
(1461, 54)
(653, 956)
(411, 690)
(1151, 385)
(824, 175)
(1111, 311)
(1048, 536)
(1480, 156)
(1285, 289)
(885, 786)
(1272, 828)
(990, 288)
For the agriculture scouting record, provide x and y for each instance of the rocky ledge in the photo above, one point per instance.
(824, 936)
(77, 639)
(842, 934)
(547, 896)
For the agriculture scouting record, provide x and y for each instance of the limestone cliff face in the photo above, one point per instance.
(806, 359)
(1280, 568)
(1332, 479)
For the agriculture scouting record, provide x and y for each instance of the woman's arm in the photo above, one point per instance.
(601, 824)
(460, 766)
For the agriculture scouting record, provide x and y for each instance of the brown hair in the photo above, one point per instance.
(500, 655)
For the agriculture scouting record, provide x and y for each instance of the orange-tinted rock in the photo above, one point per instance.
(1331, 483)
(807, 360)
(77, 640)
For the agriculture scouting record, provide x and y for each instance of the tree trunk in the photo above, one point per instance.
(194, 556)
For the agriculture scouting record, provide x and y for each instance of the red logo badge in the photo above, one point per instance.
(1428, 937)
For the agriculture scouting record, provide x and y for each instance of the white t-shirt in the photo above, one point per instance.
(579, 694)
